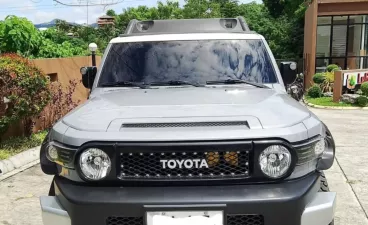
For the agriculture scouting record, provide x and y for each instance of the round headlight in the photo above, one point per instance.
(52, 153)
(320, 146)
(95, 164)
(275, 161)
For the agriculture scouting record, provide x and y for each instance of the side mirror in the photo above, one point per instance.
(88, 76)
(288, 72)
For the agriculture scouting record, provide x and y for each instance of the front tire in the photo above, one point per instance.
(324, 188)
(324, 185)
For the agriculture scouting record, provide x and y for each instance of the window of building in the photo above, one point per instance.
(52, 77)
(324, 20)
(340, 20)
(342, 40)
(323, 41)
(339, 34)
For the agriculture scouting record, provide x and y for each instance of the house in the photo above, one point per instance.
(105, 20)
(335, 32)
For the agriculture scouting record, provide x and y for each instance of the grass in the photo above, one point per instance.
(327, 101)
(16, 145)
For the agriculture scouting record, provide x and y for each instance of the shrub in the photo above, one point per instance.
(330, 76)
(362, 101)
(326, 86)
(27, 89)
(61, 103)
(332, 68)
(315, 91)
(318, 78)
(364, 88)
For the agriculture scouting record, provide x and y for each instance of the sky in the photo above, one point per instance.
(39, 11)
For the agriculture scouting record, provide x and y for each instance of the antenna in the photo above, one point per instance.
(79, 3)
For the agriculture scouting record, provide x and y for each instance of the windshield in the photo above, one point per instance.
(197, 61)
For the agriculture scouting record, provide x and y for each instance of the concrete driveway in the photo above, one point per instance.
(19, 204)
(349, 175)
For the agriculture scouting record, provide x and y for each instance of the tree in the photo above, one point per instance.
(50, 49)
(228, 8)
(63, 26)
(281, 7)
(201, 9)
(275, 30)
(292, 13)
(111, 12)
(139, 13)
(170, 10)
(18, 35)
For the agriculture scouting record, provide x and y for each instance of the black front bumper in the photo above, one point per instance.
(278, 204)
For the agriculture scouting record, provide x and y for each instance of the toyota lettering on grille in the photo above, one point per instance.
(187, 163)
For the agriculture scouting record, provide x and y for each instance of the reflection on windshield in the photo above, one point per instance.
(190, 61)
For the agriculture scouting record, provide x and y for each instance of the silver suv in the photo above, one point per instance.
(188, 122)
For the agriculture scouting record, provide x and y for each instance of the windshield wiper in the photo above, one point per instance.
(176, 82)
(236, 81)
(124, 84)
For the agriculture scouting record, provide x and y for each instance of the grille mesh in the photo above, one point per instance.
(179, 165)
(245, 220)
(306, 152)
(116, 220)
(192, 124)
(65, 155)
(231, 220)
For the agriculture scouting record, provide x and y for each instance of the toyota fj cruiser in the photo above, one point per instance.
(188, 122)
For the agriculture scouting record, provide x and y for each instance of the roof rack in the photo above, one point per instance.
(237, 24)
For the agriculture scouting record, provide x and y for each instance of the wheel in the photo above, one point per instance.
(324, 188)
(324, 185)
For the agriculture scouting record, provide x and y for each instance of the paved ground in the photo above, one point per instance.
(19, 194)
(19, 203)
(349, 175)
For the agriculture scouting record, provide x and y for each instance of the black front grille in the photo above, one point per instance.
(245, 220)
(231, 220)
(116, 220)
(179, 165)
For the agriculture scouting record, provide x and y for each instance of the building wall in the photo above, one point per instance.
(66, 69)
(343, 7)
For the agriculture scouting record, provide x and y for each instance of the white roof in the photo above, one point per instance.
(183, 37)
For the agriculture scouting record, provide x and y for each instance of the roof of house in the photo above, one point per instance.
(106, 17)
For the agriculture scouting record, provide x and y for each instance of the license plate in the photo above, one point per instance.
(185, 218)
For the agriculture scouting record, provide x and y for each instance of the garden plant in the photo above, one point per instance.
(28, 97)
(321, 92)
(26, 89)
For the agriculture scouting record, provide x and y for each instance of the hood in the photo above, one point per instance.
(259, 108)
